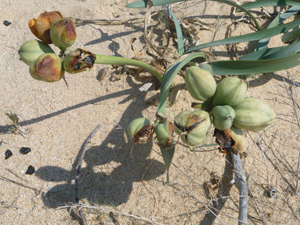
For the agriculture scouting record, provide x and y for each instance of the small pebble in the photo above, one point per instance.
(25, 150)
(6, 23)
(30, 170)
(8, 154)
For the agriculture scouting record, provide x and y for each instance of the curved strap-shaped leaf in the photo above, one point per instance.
(167, 154)
(272, 53)
(178, 34)
(263, 43)
(169, 77)
(261, 54)
(249, 37)
(290, 35)
(264, 3)
(143, 4)
(245, 67)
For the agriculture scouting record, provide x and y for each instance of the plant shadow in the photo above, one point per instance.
(109, 169)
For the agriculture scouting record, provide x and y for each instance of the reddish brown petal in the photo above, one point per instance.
(33, 26)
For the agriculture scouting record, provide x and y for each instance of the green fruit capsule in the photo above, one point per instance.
(165, 133)
(200, 83)
(140, 131)
(31, 50)
(223, 117)
(230, 91)
(192, 126)
(253, 114)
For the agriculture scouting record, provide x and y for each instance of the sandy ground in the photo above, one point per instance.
(115, 176)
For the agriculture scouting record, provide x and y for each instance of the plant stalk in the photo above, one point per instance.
(240, 181)
(115, 60)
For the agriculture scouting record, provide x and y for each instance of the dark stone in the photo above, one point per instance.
(25, 150)
(6, 23)
(30, 170)
(8, 154)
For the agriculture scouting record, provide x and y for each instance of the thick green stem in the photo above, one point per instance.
(115, 60)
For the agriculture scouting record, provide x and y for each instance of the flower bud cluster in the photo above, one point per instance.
(49, 27)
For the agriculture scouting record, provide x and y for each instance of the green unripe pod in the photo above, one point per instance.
(230, 91)
(47, 67)
(165, 133)
(253, 114)
(206, 66)
(31, 50)
(223, 117)
(200, 83)
(192, 126)
(140, 131)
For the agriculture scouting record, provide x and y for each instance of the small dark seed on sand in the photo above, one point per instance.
(8, 154)
(25, 150)
(6, 23)
(30, 170)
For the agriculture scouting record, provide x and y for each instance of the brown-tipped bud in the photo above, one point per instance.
(48, 68)
(192, 126)
(78, 61)
(63, 33)
(165, 133)
(140, 131)
(40, 27)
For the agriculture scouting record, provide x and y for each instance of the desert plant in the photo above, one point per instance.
(225, 105)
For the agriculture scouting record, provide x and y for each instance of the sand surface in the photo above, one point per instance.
(115, 176)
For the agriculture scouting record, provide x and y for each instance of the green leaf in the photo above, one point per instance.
(169, 77)
(272, 53)
(245, 67)
(261, 54)
(178, 34)
(292, 49)
(249, 37)
(167, 155)
(264, 3)
(263, 43)
(143, 4)
(290, 35)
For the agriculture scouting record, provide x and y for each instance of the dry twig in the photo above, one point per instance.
(83, 150)
(112, 211)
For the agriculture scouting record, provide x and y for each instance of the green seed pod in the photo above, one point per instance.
(48, 68)
(200, 83)
(165, 133)
(223, 117)
(253, 114)
(140, 131)
(206, 66)
(192, 126)
(31, 50)
(78, 61)
(230, 91)
(63, 33)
